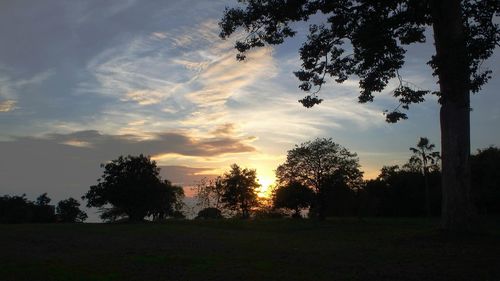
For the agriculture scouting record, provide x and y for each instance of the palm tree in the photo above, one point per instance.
(426, 158)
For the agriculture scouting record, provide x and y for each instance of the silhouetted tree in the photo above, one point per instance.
(16, 209)
(293, 196)
(486, 180)
(168, 202)
(341, 197)
(209, 193)
(398, 192)
(209, 213)
(69, 211)
(320, 164)
(133, 187)
(239, 190)
(43, 200)
(42, 211)
(425, 158)
(377, 32)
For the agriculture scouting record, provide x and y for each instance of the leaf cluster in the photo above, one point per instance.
(363, 38)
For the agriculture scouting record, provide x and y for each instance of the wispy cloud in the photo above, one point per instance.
(7, 105)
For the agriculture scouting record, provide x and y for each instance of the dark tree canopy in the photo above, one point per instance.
(486, 180)
(18, 209)
(240, 190)
(313, 162)
(133, 187)
(69, 211)
(43, 200)
(319, 165)
(400, 192)
(367, 39)
(362, 38)
(294, 196)
(209, 213)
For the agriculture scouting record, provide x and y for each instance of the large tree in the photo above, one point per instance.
(239, 190)
(69, 211)
(319, 165)
(367, 39)
(294, 196)
(133, 187)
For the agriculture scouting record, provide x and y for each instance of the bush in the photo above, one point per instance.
(209, 213)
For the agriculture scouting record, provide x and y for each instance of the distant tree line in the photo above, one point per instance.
(18, 209)
(322, 179)
(319, 178)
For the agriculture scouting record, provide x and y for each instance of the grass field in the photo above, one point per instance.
(338, 249)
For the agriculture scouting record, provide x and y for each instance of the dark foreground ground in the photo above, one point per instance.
(340, 249)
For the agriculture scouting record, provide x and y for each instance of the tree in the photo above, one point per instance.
(398, 192)
(425, 158)
(367, 39)
(69, 211)
(209, 213)
(294, 196)
(168, 202)
(42, 211)
(43, 200)
(133, 187)
(486, 180)
(239, 190)
(320, 164)
(16, 209)
(209, 193)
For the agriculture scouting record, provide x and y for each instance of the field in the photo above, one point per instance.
(337, 249)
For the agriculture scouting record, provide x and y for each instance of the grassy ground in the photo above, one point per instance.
(339, 249)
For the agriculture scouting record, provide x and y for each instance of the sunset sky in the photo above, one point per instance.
(83, 82)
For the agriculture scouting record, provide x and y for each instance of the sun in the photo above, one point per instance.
(265, 188)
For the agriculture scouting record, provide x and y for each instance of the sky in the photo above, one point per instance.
(83, 82)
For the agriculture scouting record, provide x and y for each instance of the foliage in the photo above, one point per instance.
(399, 192)
(340, 199)
(133, 187)
(209, 213)
(42, 211)
(239, 188)
(486, 180)
(424, 158)
(294, 196)
(43, 200)
(265, 213)
(68, 211)
(15, 209)
(367, 39)
(209, 192)
(18, 209)
(320, 165)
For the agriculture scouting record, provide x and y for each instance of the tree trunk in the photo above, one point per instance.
(454, 78)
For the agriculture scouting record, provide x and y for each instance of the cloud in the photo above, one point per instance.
(7, 105)
(11, 87)
(186, 176)
(224, 129)
(66, 165)
(157, 144)
(144, 97)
